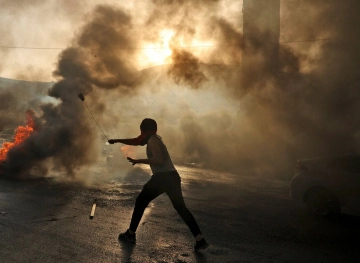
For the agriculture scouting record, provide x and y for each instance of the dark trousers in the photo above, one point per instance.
(169, 183)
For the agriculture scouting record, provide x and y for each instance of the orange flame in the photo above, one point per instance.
(21, 134)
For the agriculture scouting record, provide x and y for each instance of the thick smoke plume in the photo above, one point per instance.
(96, 60)
(301, 103)
(312, 113)
(186, 69)
(16, 97)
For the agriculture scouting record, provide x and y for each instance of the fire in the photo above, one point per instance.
(21, 134)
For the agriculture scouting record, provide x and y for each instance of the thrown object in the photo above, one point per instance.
(92, 213)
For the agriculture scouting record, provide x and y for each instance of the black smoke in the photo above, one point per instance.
(303, 104)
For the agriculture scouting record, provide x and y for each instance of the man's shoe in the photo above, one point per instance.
(131, 238)
(202, 244)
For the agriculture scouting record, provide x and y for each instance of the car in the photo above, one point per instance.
(328, 185)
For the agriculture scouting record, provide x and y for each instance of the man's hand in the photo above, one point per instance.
(112, 141)
(131, 160)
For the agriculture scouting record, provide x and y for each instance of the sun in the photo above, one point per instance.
(158, 53)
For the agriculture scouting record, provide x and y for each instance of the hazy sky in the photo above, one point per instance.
(54, 23)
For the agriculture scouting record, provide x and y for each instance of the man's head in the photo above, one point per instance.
(148, 125)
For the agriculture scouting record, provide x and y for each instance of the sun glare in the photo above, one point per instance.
(159, 53)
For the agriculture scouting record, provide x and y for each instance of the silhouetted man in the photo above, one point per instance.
(165, 179)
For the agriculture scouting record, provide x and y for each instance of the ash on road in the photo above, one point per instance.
(244, 219)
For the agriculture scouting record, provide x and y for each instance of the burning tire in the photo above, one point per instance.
(322, 202)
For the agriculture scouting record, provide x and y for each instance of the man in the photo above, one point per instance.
(165, 179)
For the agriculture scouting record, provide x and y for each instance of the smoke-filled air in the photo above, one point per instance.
(222, 97)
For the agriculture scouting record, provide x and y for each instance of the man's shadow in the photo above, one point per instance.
(126, 250)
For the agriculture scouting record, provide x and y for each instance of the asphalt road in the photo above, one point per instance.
(244, 219)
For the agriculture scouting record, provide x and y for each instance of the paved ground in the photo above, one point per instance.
(244, 219)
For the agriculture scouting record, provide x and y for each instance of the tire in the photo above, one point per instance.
(322, 202)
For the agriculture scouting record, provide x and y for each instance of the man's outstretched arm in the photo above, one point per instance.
(140, 140)
(124, 141)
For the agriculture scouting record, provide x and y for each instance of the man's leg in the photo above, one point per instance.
(173, 190)
(150, 191)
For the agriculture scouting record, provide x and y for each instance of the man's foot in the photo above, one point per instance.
(131, 238)
(202, 244)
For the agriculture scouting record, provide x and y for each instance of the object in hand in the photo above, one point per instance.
(133, 162)
(81, 96)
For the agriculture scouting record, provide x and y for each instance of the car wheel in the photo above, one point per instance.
(321, 201)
